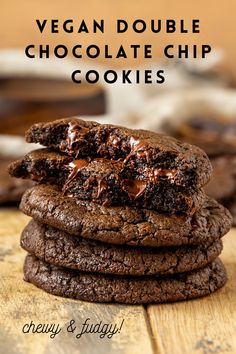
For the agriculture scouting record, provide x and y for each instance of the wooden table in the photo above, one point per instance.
(205, 326)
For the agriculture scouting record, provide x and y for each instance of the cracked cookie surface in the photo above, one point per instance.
(124, 289)
(124, 225)
(59, 248)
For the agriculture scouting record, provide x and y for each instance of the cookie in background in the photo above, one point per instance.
(216, 134)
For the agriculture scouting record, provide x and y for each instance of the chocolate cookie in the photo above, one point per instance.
(103, 181)
(223, 180)
(214, 134)
(124, 225)
(59, 248)
(11, 189)
(144, 154)
(130, 290)
(232, 208)
(230, 203)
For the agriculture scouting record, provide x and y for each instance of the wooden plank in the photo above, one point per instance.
(202, 326)
(22, 302)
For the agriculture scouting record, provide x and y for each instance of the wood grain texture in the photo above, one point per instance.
(202, 326)
(22, 302)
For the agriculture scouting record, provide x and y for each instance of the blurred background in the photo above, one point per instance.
(196, 104)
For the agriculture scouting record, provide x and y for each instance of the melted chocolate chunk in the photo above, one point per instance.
(155, 175)
(74, 135)
(139, 149)
(74, 167)
(134, 188)
(107, 182)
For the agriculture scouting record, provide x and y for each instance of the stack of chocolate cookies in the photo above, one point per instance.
(119, 215)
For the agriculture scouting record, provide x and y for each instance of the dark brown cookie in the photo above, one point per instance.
(103, 181)
(222, 185)
(214, 134)
(230, 203)
(59, 248)
(129, 290)
(232, 208)
(223, 180)
(143, 153)
(124, 225)
(11, 189)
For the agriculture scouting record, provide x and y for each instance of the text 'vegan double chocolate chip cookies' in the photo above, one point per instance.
(119, 215)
